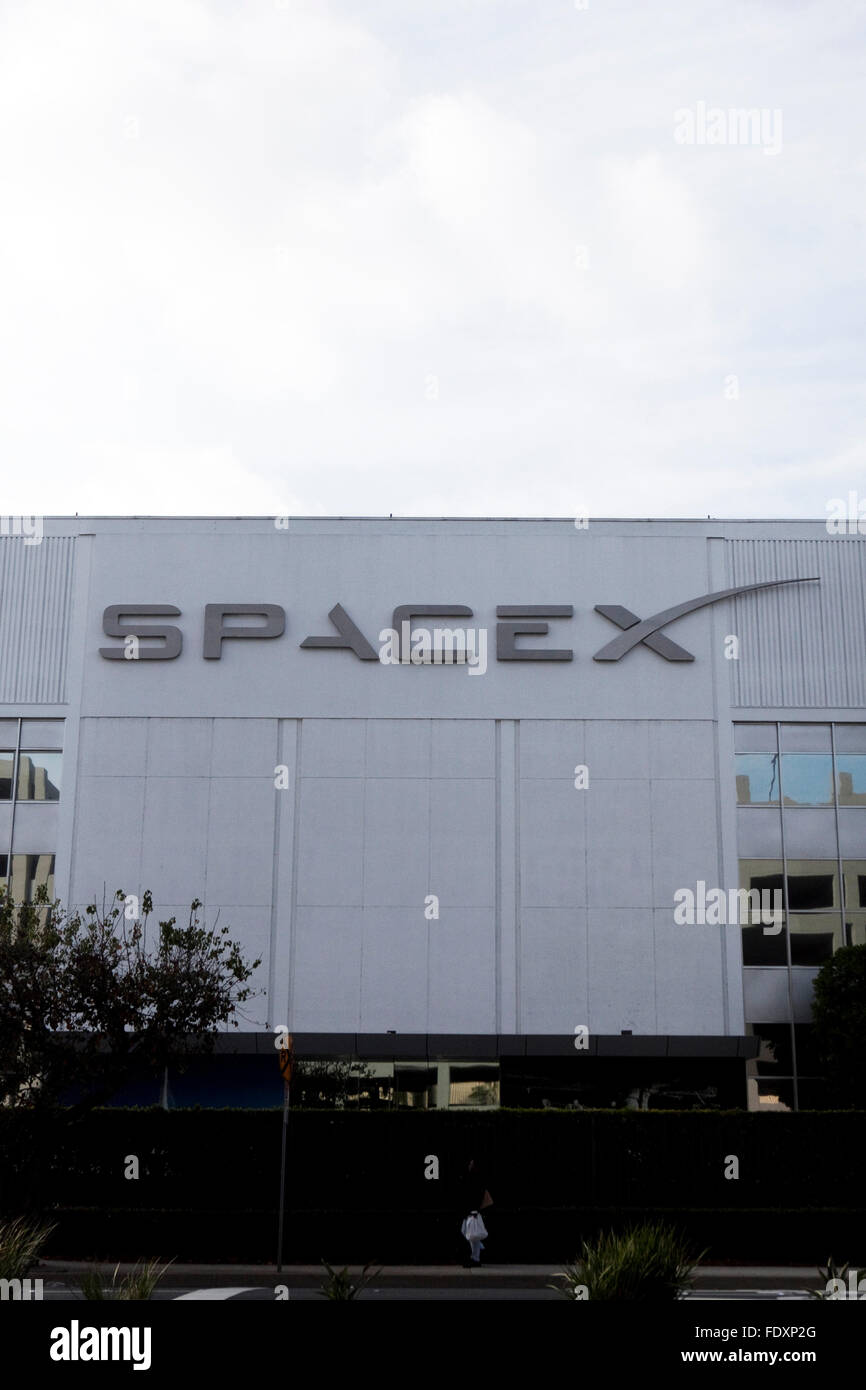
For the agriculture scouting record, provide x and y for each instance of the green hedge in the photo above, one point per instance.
(533, 1235)
(209, 1180)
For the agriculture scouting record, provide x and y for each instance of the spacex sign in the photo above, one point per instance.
(405, 642)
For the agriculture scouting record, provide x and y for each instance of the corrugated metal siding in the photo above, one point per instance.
(803, 645)
(35, 611)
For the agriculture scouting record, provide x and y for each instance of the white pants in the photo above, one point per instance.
(476, 1246)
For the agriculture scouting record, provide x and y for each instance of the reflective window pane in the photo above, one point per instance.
(806, 738)
(807, 779)
(771, 1095)
(814, 937)
(757, 779)
(42, 733)
(775, 1057)
(855, 928)
(813, 884)
(760, 948)
(850, 738)
(28, 871)
(854, 876)
(474, 1086)
(851, 779)
(755, 738)
(7, 765)
(39, 776)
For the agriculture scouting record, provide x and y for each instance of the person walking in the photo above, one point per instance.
(474, 1230)
(476, 1201)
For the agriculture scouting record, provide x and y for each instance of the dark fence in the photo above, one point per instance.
(356, 1187)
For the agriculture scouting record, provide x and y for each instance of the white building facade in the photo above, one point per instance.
(476, 791)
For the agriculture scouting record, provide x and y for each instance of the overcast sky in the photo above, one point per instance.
(431, 257)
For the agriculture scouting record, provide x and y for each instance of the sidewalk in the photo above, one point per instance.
(427, 1276)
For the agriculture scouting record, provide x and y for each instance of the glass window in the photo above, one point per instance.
(7, 766)
(813, 884)
(851, 779)
(775, 1057)
(854, 876)
(42, 733)
(28, 871)
(771, 1095)
(757, 779)
(473, 1086)
(851, 738)
(855, 928)
(755, 738)
(814, 937)
(762, 948)
(760, 873)
(39, 776)
(807, 779)
(415, 1085)
(806, 738)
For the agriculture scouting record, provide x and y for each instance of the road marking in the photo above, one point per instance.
(199, 1294)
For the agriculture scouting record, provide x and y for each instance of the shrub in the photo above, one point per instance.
(20, 1244)
(338, 1285)
(648, 1264)
(139, 1284)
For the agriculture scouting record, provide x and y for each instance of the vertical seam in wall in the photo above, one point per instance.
(650, 791)
(715, 627)
(67, 621)
(293, 903)
(518, 906)
(16, 762)
(787, 907)
(210, 781)
(270, 1012)
(429, 868)
(497, 873)
(82, 554)
(148, 724)
(587, 992)
(363, 922)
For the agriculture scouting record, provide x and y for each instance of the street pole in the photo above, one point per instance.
(286, 1048)
(283, 1174)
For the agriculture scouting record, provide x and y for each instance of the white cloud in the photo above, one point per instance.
(238, 242)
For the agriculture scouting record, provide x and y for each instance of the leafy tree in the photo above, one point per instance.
(839, 1013)
(85, 998)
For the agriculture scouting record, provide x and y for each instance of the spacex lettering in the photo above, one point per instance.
(404, 642)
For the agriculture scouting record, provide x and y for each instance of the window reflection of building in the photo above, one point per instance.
(28, 872)
(39, 776)
(7, 769)
(798, 788)
(851, 779)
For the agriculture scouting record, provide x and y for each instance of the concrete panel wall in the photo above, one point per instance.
(380, 825)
